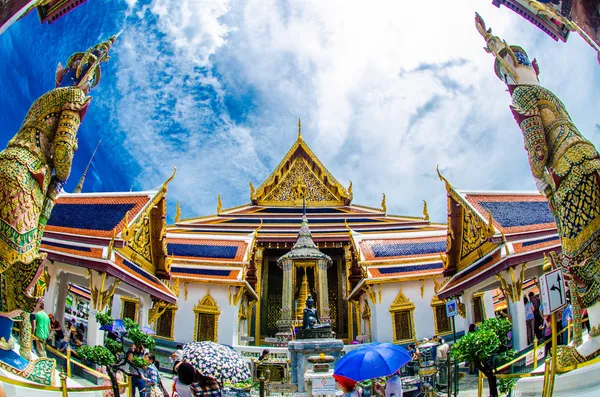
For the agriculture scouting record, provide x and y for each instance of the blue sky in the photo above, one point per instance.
(215, 87)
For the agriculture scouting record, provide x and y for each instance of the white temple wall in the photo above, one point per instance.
(185, 317)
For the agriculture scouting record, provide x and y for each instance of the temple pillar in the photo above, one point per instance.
(143, 310)
(323, 292)
(467, 300)
(61, 297)
(511, 282)
(51, 290)
(102, 288)
(287, 296)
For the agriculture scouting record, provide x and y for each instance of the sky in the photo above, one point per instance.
(386, 90)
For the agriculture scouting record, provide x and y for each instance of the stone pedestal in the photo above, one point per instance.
(300, 350)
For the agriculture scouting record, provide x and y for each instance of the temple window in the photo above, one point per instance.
(441, 321)
(129, 308)
(403, 322)
(478, 308)
(165, 325)
(207, 319)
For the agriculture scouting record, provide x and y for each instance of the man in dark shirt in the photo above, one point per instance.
(136, 380)
(537, 317)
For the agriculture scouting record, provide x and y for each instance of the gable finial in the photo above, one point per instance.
(299, 129)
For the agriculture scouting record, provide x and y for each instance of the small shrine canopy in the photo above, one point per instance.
(491, 231)
(305, 247)
(122, 234)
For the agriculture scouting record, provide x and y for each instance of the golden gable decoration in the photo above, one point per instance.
(300, 175)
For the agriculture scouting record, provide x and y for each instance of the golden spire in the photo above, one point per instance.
(80, 184)
(383, 206)
(252, 191)
(219, 204)
(350, 189)
(299, 130)
(178, 212)
(425, 213)
(302, 296)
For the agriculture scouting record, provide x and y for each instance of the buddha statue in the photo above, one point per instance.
(311, 315)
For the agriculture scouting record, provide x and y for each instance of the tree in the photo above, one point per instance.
(113, 355)
(487, 348)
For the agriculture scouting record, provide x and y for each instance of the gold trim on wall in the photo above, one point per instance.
(130, 300)
(483, 311)
(207, 305)
(435, 303)
(402, 304)
(174, 309)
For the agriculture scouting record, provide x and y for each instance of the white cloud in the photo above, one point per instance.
(351, 71)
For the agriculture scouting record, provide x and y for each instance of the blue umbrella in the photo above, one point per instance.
(148, 331)
(372, 360)
(116, 326)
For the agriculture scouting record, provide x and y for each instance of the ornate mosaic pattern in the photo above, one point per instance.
(299, 182)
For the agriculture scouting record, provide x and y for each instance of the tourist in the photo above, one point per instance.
(413, 352)
(538, 320)
(41, 330)
(56, 332)
(207, 387)
(151, 377)
(137, 382)
(183, 383)
(442, 351)
(264, 356)
(529, 320)
(348, 386)
(62, 344)
(547, 331)
(177, 357)
(393, 386)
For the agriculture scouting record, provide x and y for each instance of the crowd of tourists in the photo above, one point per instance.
(47, 330)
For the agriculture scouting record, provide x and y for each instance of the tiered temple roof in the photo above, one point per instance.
(122, 234)
(491, 231)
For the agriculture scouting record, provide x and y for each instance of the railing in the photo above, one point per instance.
(63, 388)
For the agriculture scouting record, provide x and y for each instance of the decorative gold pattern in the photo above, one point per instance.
(178, 212)
(350, 190)
(304, 164)
(100, 296)
(127, 308)
(383, 205)
(403, 323)
(157, 310)
(567, 357)
(219, 204)
(146, 237)
(514, 290)
(422, 288)
(300, 182)
(165, 324)
(441, 321)
(252, 192)
(206, 311)
(6, 345)
(475, 232)
(425, 213)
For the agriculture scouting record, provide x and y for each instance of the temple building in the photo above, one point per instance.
(497, 240)
(48, 10)
(241, 276)
(373, 275)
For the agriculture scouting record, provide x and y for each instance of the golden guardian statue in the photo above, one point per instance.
(565, 167)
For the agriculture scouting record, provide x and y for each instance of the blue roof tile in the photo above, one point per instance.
(203, 250)
(205, 272)
(385, 250)
(519, 213)
(410, 268)
(88, 216)
(540, 241)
